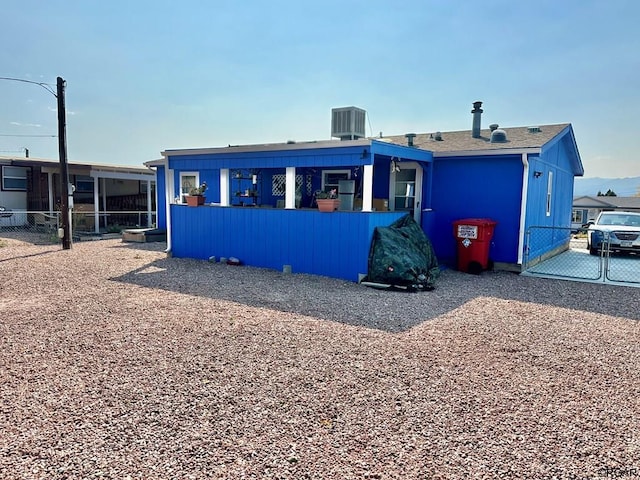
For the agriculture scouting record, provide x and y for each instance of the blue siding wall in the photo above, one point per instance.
(556, 160)
(477, 187)
(161, 200)
(553, 160)
(331, 244)
(381, 179)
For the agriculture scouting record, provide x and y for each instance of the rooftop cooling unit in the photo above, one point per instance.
(347, 123)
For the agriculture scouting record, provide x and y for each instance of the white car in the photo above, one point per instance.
(621, 228)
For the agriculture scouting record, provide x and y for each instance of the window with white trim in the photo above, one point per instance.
(14, 178)
(577, 216)
(549, 192)
(188, 180)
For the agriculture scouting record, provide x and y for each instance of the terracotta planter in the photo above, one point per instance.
(195, 200)
(327, 204)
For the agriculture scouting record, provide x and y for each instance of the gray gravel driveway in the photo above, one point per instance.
(117, 362)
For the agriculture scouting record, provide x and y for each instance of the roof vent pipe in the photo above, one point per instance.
(493, 126)
(410, 137)
(477, 113)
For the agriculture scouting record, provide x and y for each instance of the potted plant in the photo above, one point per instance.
(196, 195)
(327, 201)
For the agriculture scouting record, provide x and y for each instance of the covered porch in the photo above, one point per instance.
(261, 202)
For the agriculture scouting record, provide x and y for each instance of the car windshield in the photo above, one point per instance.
(620, 219)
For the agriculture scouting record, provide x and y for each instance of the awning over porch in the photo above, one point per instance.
(308, 154)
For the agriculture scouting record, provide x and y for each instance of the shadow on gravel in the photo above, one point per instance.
(39, 254)
(354, 304)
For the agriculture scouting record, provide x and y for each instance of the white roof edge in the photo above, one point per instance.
(118, 168)
(155, 163)
(72, 163)
(274, 147)
(471, 153)
(144, 175)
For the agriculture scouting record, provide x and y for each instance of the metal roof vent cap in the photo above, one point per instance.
(438, 136)
(498, 136)
(493, 126)
(535, 129)
(410, 137)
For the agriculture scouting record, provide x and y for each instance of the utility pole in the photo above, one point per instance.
(65, 190)
(64, 169)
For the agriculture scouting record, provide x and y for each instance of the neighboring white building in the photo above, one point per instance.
(33, 184)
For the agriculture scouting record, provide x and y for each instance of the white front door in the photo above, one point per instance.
(405, 190)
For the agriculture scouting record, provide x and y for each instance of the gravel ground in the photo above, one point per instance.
(117, 362)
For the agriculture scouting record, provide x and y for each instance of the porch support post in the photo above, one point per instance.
(96, 205)
(169, 181)
(104, 200)
(52, 207)
(290, 188)
(224, 187)
(367, 189)
(149, 222)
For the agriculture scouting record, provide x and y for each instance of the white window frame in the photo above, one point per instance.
(183, 194)
(549, 193)
(13, 176)
(326, 185)
(577, 215)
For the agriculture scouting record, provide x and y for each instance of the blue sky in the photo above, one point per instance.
(144, 76)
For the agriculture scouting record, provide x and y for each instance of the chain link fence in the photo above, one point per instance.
(583, 254)
(34, 227)
(42, 227)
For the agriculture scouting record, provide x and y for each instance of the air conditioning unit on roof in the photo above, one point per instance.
(348, 123)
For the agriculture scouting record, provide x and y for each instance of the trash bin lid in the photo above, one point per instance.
(475, 221)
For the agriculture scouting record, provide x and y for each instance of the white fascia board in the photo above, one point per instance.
(482, 153)
(155, 163)
(122, 175)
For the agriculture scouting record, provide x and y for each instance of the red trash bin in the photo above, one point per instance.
(473, 239)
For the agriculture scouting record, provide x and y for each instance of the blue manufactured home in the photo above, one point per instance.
(260, 204)
(521, 177)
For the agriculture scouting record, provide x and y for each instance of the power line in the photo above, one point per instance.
(46, 86)
(12, 135)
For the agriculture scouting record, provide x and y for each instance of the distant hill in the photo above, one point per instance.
(623, 187)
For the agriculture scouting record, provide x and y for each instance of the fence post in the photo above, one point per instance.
(527, 242)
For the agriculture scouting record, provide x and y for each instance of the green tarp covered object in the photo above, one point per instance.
(401, 255)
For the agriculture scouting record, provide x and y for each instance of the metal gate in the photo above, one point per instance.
(566, 253)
